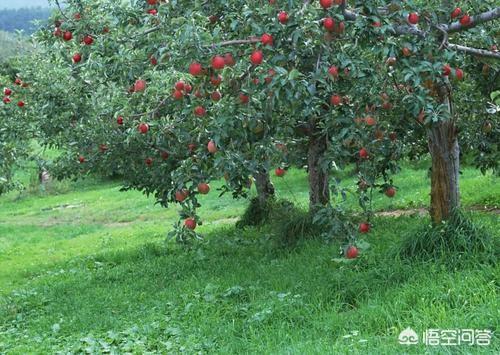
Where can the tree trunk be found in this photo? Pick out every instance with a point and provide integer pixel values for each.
(445, 154)
(319, 190)
(264, 186)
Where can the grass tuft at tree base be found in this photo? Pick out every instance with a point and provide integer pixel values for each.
(288, 223)
(454, 241)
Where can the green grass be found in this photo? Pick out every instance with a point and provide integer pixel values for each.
(87, 269)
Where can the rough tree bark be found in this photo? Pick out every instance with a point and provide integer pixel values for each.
(445, 155)
(264, 186)
(319, 189)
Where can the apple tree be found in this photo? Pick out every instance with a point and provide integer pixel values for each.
(175, 94)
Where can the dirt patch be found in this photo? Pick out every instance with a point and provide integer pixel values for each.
(62, 207)
(397, 213)
(225, 221)
(421, 212)
(485, 209)
(118, 224)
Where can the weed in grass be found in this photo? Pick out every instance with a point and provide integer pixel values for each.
(453, 241)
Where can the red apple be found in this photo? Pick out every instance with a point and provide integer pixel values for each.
(333, 71)
(143, 128)
(203, 188)
(67, 35)
(329, 24)
(363, 153)
(457, 12)
(229, 59)
(370, 121)
(180, 85)
(181, 195)
(213, 19)
(244, 99)
(446, 70)
(216, 80)
(390, 192)
(77, 57)
(153, 12)
(190, 223)
(267, 39)
(413, 18)
(326, 4)
(188, 88)
(57, 32)
(139, 85)
(212, 147)
(20, 103)
(351, 252)
(178, 95)
(153, 61)
(459, 74)
(335, 100)
(256, 57)
(200, 111)
(280, 172)
(406, 52)
(7, 91)
(218, 62)
(364, 227)
(164, 155)
(195, 69)
(393, 136)
(81, 159)
(465, 20)
(119, 120)
(6, 100)
(216, 96)
(149, 161)
(88, 40)
(283, 17)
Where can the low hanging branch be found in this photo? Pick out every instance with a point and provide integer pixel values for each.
(473, 51)
(445, 29)
(475, 20)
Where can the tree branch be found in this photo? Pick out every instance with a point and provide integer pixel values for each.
(474, 51)
(152, 112)
(236, 42)
(60, 9)
(475, 20)
(151, 30)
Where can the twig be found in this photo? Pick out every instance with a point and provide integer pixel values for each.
(60, 9)
(235, 42)
(152, 112)
(444, 42)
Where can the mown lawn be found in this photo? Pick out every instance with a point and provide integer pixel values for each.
(88, 269)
